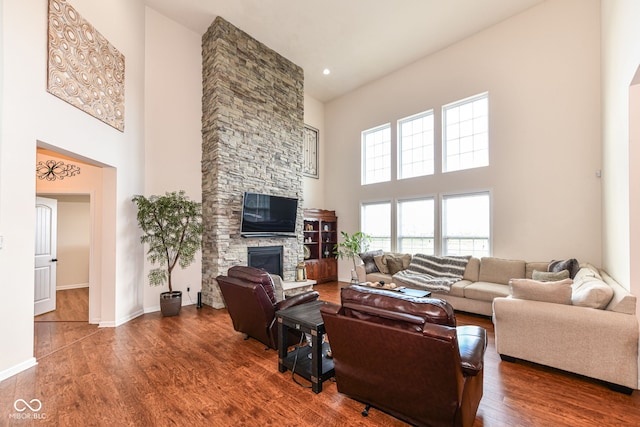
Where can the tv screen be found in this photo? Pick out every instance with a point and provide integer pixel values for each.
(267, 215)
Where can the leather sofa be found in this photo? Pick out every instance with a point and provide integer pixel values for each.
(249, 295)
(405, 356)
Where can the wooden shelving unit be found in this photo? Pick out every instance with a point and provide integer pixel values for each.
(320, 236)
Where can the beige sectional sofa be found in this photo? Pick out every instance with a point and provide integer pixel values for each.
(554, 324)
(482, 282)
(597, 343)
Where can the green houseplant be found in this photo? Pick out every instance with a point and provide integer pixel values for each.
(172, 227)
(350, 247)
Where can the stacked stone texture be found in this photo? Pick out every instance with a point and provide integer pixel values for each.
(252, 133)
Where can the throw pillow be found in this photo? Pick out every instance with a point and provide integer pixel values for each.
(570, 264)
(382, 266)
(592, 293)
(550, 276)
(369, 263)
(554, 292)
(395, 265)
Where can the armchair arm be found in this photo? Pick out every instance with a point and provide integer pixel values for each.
(472, 343)
(297, 300)
(361, 272)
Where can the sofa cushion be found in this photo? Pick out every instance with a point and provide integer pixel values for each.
(472, 270)
(395, 265)
(531, 266)
(496, 270)
(369, 263)
(555, 292)
(550, 276)
(589, 290)
(592, 293)
(383, 260)
(485, 291)
(457, 289)
(569, 264)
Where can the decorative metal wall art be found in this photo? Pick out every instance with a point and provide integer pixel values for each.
(84, 69)
(52, 170)
(310, 152)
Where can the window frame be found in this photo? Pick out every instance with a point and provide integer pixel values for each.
(443, 133)
(398, 221)
(363, 159)
(400, 143)
(442, 228)
(390, 238)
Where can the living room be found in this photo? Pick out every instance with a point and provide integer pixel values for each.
(558, 75)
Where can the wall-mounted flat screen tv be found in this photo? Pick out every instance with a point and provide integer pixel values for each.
(265, 215)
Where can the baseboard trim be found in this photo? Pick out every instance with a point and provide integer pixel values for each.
(76, 286)
(29, 363)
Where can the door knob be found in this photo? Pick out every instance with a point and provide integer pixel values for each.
(54, 260)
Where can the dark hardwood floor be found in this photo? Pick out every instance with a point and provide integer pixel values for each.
(194, 369)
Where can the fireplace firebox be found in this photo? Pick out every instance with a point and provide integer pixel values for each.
(269, 258)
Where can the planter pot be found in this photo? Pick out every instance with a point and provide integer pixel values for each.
(170, 303)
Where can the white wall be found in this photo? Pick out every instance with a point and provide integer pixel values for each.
(173, 139)
(30, 115)
(620, 61)
(621, 142)
(74, 240)
(542, 71)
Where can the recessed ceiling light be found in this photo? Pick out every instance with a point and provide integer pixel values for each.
(326, 71)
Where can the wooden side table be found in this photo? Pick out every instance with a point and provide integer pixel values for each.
(305, 318)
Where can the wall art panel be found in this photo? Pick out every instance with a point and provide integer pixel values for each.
(84, 69)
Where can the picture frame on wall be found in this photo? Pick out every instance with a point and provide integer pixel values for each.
(310, 152)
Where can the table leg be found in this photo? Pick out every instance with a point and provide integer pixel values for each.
(316, 361)
(283, 345)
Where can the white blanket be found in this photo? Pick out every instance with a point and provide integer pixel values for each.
(432, 273)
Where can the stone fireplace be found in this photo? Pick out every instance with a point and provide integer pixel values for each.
(252, 133)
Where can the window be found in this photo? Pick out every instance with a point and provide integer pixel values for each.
(376, 155)
(415, 149)
(466, 225)
(416, 226)
(466, 134)
(375, 220)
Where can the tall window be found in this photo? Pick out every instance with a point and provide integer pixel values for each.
(466, 133)
(415, 149)
(416, 226)
(376, 155)
(375, 220)
(466, 224)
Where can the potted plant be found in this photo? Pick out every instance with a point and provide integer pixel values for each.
(172, 227)
(350, 247)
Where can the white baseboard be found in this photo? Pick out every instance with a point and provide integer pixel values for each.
(29, 363)
(76, 286)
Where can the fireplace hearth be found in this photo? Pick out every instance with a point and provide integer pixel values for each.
(269, 258)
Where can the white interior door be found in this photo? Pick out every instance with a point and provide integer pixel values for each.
(45, 255)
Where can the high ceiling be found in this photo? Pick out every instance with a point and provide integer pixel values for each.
(358, 40)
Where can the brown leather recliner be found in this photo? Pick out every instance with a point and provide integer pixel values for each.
(249, 295)
(405, 356)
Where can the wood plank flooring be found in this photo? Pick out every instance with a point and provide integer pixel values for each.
(194, 369)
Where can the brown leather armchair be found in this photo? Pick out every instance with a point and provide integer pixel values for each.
(405, 356)
(249, 295)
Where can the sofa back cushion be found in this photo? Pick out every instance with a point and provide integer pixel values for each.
(394, 309)
(497, 270)
(555, 292)
(473, 270)
(622, 301)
